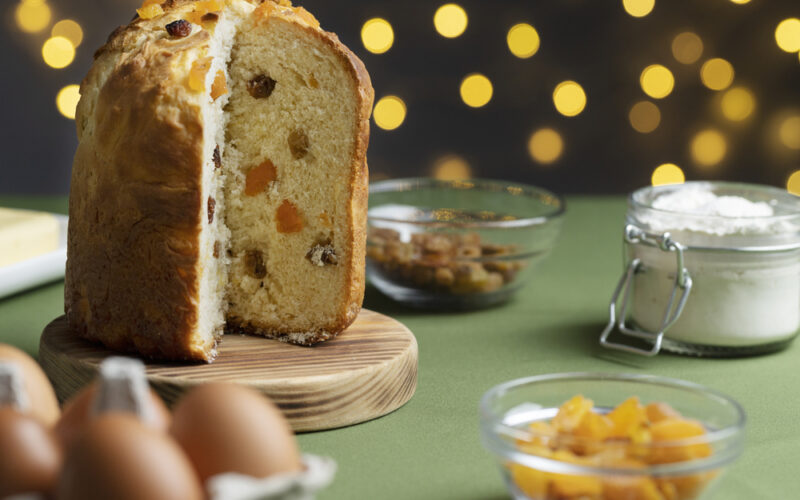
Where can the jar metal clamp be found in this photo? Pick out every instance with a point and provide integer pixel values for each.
(617, 312)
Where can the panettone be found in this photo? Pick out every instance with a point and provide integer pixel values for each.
(220, 181)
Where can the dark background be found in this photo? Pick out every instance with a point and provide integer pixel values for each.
(594, 42)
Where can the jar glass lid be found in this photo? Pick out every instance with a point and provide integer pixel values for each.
(718, 215)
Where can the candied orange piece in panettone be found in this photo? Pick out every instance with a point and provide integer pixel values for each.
(288, 218)
(220, 86)
(627, 418)
(258, 178)
(149, 11)
(657, 412)
(570, 414)
(206, 6)
(197, 74)
(307, 16)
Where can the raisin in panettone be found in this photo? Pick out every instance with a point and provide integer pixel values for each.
(220, 181)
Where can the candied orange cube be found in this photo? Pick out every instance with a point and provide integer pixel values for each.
(685, 487)
(674, 430)
(534, 483)
(306, 16)
(194, 17)
(288, 218)
(575, 486)
(657, 412)
(627, 418)
(197, 74)
(631, 488)
(594, 426)
(541, 436)
(219, 87)
(259, 177)
(150, 11)
(570, 414)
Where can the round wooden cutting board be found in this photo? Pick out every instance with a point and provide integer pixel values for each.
(367, 371)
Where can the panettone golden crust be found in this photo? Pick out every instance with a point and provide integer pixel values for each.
(135, 203)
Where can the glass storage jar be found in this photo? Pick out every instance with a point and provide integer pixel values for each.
(709, 285)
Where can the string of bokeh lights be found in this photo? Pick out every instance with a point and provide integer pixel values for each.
(708, 147)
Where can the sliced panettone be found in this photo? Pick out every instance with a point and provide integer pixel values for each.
(220, 178)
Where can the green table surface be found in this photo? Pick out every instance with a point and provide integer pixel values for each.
(430, 447)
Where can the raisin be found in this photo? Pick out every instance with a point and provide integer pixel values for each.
(261, 86)
(216, 249)
(216, 157)
(254, 262)
(209, 17)
(212, 203)
(322, 254)
(287, 218)
(298, 143)
(179, 29)
(258, 178)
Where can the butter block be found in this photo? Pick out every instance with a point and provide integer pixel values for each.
(25, 234)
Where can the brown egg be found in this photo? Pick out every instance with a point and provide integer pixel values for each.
(30, 459)
(229, 428)
(117, 456)
(41, 397)
(77, 414)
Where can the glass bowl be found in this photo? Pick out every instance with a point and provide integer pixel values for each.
(457, 244)
(537, 464)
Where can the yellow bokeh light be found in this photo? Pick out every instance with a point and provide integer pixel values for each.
(708, 147)
(687, 47)
(667, 173)
(523, 40)
(67, 100)
(657, 81)
(450, 20)
(740, 2)
(58, 52)
(476, 90)
(644, 117)
(638, 8)
(389, 112)
(32, 16)
(70, 30)
(545, 145)
(737, 104)
(377, 35)
(451, 168)
(717, 74)
(789, 132)
(793, 183)
(787, 34)
(569, 98)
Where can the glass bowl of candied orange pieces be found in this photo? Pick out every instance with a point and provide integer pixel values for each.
(596, 436)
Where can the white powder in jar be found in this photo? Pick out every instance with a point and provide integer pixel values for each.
(738, 299)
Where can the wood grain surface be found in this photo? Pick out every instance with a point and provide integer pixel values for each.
(369, 370)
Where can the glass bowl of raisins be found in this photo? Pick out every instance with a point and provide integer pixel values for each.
(573, 436)
(467, 244)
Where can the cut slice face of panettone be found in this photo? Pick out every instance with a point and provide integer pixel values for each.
(220, 181)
